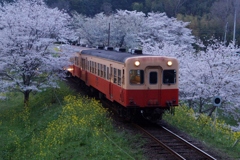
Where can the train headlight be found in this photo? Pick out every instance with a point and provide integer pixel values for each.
(169, 63)
(70, 69)
(137, 63)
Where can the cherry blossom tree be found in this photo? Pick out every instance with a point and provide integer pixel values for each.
(117, 30)
(126, 28)
(214, 72)
(159, 28)
(27, 29)
(206, 74)
(133, 29)
(94, 31)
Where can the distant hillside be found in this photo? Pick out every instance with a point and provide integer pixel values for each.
(171, 7)
(209, 18)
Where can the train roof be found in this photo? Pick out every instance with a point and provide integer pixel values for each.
(112, 55)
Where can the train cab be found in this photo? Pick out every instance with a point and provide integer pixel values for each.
(152, 81)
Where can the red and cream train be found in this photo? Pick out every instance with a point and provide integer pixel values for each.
(135, 82)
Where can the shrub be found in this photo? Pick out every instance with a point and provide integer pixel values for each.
(213, 131)
(77, 129)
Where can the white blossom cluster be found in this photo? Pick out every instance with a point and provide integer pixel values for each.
(27, 29)
(132, 29)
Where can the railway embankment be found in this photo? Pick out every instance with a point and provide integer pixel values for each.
(61, 124)
(214, 132)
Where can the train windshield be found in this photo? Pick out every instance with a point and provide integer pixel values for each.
(153, 77)
(136, 76)
(169, 76)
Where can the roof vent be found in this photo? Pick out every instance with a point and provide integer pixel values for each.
(109, 48)
(135, 51)
(120, 49)
(83, 45)
(100, 47)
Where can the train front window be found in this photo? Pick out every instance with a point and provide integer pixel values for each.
(136, 76)
(169, 76)
(153, 77)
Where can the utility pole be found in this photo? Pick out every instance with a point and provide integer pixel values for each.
(234, 26)
(225, 34)
(235, 21)
(109, 34)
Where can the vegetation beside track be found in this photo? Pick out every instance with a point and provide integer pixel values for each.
(60, 125)
(212, 131)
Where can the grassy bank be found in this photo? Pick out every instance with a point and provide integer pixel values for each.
(213, 132)
(60, 125)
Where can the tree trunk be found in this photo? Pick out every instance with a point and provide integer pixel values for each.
(200, 105)
(213, 109)
(26, 98)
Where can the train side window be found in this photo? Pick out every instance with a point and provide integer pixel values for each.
(169, 76)
(115, 76)
(153, 78)
(80, 64)
(83, 64)
(76, 60)
(111, 74)
(136, 76)
(104, 71)
(100, 70)
(123, 76)
(90, 66)
(99, 67)
(108, 77)
(119, 77)
(95, 68)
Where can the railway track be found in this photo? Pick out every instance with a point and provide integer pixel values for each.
(170, 146)
(167, 146)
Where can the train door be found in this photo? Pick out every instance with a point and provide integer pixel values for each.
(110, 78)
(153, 79)
(86, 71)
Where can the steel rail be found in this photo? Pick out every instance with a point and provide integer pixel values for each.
(206, 155)
(178, 156)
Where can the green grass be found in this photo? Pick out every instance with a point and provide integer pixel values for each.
(213, 132)
(58, 125)
(229, 119)
(8, 104)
